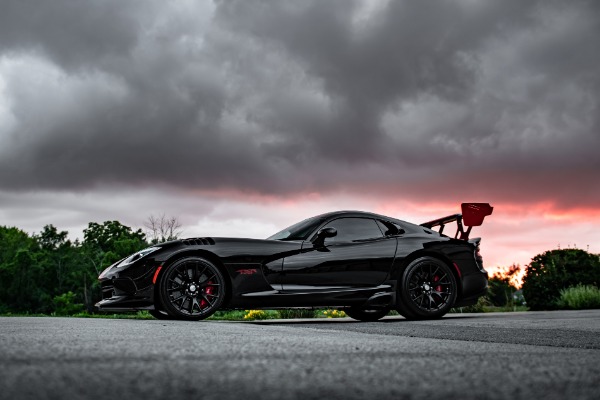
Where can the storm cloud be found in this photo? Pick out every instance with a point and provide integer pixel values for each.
(462, 99)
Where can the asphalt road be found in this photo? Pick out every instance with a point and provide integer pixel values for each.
(550, 355)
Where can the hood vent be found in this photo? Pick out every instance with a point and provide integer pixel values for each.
(206, 241)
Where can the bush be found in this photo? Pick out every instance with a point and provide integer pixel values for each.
(500, 292)
(334, 313)
(296, 313)
(554, 270)
(479, 307)
(580, 297)
(260, 314)
(64, 304)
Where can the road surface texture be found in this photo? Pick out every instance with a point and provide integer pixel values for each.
(533, 355)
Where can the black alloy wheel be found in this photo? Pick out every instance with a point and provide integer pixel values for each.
(192, 288)
(366, 314)
(428, 289)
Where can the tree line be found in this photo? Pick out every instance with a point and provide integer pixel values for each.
(40, 272)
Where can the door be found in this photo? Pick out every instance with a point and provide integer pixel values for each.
(358, 256)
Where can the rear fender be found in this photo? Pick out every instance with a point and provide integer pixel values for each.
(399, 269)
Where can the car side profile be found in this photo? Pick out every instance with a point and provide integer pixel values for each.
(364, 263)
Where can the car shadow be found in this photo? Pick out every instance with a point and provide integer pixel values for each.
(323, 321)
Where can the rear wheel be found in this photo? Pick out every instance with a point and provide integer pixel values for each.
(365, 314)
(428, 289)
(192, 288)
(405, 312)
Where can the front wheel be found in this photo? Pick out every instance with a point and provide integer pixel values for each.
(192, 288)
(428, 289)
(365, 314)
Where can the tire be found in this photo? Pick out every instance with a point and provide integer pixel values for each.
(162, 315)
(405, 312)
(191, 288)
(366, 315)
(428, 289)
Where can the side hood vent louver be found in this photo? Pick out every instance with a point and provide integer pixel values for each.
(206, 241)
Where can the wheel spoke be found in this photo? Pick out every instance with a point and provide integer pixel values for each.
(192, 300)
(208, 279)
(175, 281)
(207, 299)
(205, 285)
(422, 300)
(184, 298)
(176, 299)
(182, 274)
(195, 303)
(201, 272)
(194, 271)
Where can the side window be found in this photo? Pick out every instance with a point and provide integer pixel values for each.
(350, 229)
(389, 228)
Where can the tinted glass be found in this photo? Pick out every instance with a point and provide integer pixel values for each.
(389, 229)
(350, 229)
(299, 231)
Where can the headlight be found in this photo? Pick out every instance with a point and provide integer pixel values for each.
(103, 273)
(134, 257)
(130, 260)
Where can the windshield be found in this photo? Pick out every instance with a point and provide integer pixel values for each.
(299, 231)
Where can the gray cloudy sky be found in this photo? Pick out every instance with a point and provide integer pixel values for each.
(115, 110)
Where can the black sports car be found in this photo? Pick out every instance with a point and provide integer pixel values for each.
(363, 263)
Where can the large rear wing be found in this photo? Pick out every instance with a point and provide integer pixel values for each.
(472, 215)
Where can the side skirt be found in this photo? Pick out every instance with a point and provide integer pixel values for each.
(379, 296)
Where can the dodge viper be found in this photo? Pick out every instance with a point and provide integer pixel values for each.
(363, 263)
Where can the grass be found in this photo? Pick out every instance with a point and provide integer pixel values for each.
(85, 314)
(249, 315)
(579, 297)
(228, 315)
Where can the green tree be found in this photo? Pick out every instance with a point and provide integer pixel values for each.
(57, 259)
(51, 239)
(103, 245)
(47, 272)
(19, 271)
(501, 287)
(554, 270)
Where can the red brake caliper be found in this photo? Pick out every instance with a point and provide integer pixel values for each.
(438, 288)
(209, 290)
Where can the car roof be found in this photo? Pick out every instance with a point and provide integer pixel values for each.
(364, 214)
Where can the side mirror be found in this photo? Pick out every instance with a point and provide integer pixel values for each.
(319, 240)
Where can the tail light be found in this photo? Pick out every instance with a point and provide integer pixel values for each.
(479, 258)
